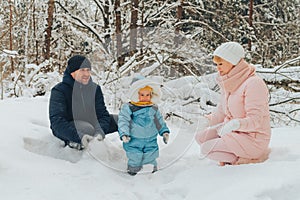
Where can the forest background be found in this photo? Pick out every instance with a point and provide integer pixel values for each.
(168, 38)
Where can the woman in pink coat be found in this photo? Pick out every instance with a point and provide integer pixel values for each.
(239, 130)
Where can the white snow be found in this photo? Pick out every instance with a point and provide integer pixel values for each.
(34, 165)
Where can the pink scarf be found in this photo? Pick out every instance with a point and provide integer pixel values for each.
(238, 74)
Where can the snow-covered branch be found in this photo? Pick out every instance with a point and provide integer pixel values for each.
(86, 25)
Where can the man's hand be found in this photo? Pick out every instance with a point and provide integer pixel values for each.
(86, 139)
(99, 136)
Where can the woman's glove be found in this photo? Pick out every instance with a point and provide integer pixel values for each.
(126, 138)
(166, 137)
(230, 126)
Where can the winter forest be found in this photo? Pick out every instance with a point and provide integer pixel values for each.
(172, 39)
(171, 42)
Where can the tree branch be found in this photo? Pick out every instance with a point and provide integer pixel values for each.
(285, 101)
(170, 114)
(286, 114)
(86, 25)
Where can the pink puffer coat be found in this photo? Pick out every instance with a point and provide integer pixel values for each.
(249, 104)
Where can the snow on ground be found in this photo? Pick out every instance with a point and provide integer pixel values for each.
(34, 165)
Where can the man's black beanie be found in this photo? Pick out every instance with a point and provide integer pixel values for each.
(76, 62)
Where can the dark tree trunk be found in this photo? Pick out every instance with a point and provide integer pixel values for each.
(120, 58)
(10, 33)
(179, 17)
(133, 26)
(34, 35)
(49, 29)
(250, 22)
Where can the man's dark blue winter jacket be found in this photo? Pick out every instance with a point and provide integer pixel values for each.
(71, 100)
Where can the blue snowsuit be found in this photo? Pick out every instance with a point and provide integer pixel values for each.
(142, 124)
(71, 101)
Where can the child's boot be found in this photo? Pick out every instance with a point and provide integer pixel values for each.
(133, 170)
(154, 169)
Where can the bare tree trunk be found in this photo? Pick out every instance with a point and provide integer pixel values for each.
(10, 34)
(49, 29)
(106, 23)
(133, 25)
(34, 35)
(250, 22)
(120, 59)
(142, 29)
(106, 14)
(1, 80)
(179, 17)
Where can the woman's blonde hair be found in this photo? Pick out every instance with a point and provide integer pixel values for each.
(217, 59)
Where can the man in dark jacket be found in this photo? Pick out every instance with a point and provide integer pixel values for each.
(77, 110)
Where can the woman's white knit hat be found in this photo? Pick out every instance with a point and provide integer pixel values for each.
(232, 52)
(141, 82)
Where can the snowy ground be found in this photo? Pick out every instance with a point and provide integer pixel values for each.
(34, 166)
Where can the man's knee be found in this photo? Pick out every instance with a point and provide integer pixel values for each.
(84, 128)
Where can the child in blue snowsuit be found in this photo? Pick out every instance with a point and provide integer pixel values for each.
(139, 124)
